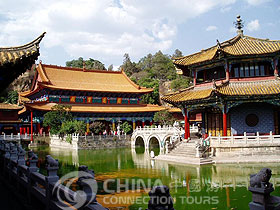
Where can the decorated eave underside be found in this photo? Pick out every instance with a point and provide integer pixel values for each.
(16, 60)
(238, 47)
(255, 90)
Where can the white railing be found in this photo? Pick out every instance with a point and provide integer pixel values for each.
(159, 128)
(194, 129)
(245, 140)
(10, 137)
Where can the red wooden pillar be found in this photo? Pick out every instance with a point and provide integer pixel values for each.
(143, 124)
(187, 125)
(276, 67)
(38, 128)
(31, 132)
(151, 123)
(24, 130)
(28, 130)
(224, 122)
(227, 71)
(194, 77)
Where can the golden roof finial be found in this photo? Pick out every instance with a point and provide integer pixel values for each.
(239, 25)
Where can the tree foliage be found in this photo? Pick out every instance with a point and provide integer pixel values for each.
(97, 127)
(126, 127)
(180, 82)
(75, 126)
(164, 118)
(55, 118)
(128, 66)
(151, 71)
(89, 64)
(177, 54)
(12, 97)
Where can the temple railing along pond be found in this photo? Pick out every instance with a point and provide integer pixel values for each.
(45, 192)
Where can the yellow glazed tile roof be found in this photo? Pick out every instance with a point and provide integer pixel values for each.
(237, 46)
(253, 88)
(268, 87)
(14, 54)
(68, 78)
(4, 106)
(189, 94)
(90, 108)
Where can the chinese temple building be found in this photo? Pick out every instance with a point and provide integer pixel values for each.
(94, 95)
(9, 120)
(236, 86)
(16, 60)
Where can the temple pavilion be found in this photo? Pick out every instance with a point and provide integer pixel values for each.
(236, 86)
(94, 95)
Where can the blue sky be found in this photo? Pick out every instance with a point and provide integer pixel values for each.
(107, 29)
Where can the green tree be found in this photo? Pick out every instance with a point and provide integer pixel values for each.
(55, 118)
(128, 66)
(177, 54)
(126, 127)
(164, 118)
(89, 64)
(110, 68)
(153, 97)
(180, 82)
(97, 127)
(70, 127)
(12, 97)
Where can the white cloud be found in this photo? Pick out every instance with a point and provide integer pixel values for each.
(253, 25)
(211, 28)
(225, 9)
(257, 2)
(100, 29)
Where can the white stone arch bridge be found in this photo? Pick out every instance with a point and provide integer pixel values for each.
(162, 134)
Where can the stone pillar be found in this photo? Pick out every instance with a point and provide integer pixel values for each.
(225, 121)
(187, 124)
(31, 130)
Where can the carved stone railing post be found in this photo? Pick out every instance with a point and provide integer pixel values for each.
(87, 184)
(32, 167)
(52, 168)
(160, 199)
(21, 156)
(261, 189)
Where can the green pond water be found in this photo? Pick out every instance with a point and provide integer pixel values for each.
(125, 177)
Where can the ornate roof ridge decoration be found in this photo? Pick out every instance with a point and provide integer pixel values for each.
(239, 45)
(35, 42)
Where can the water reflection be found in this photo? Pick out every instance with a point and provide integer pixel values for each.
(192, 187)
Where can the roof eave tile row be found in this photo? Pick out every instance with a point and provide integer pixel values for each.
(235, 89)
(14, 54)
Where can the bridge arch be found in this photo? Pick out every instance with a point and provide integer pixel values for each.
(161, 134)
